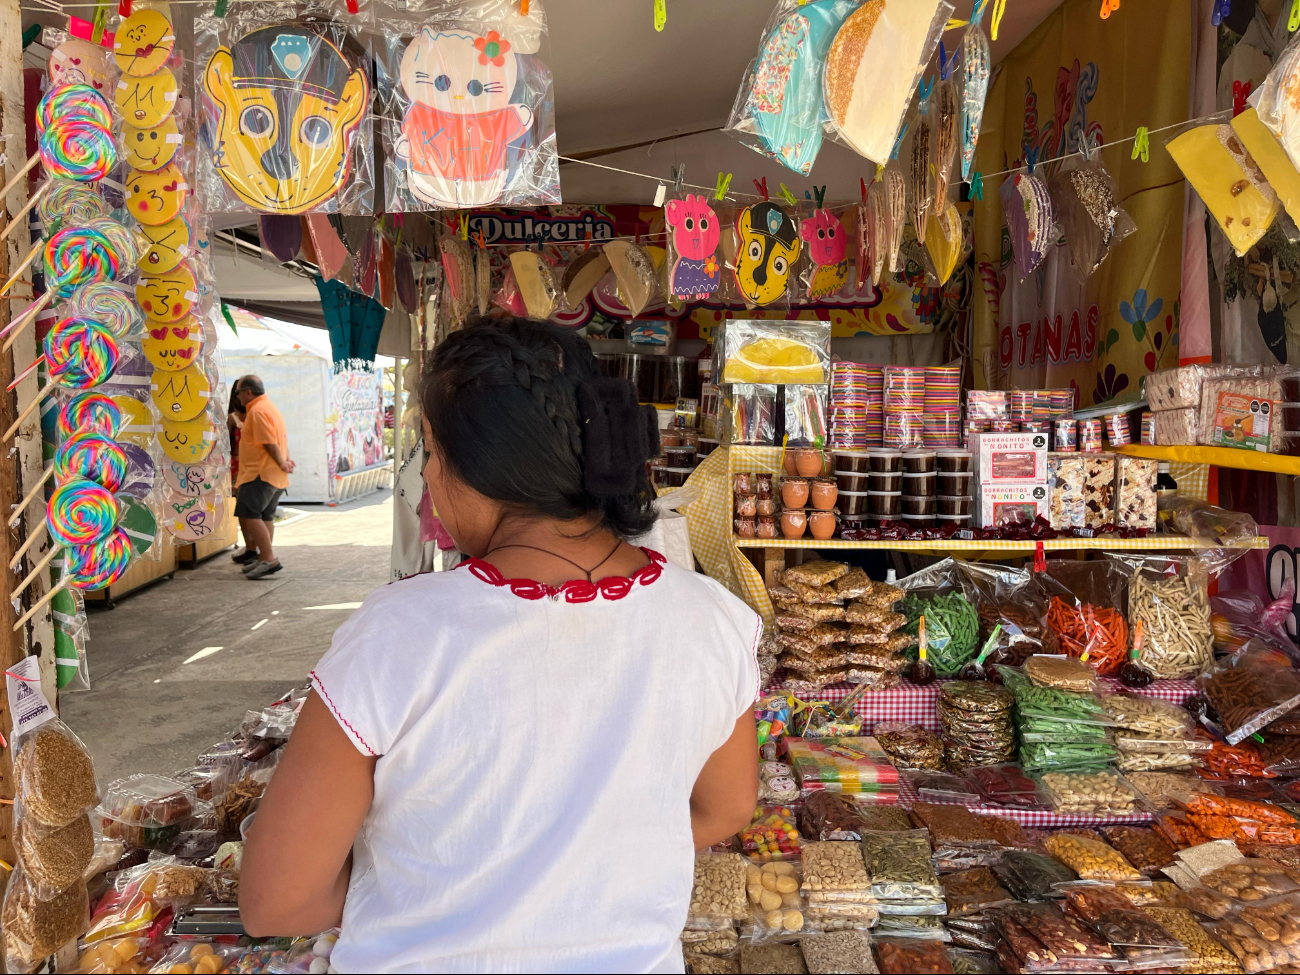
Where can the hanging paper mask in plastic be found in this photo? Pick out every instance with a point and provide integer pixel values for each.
(458, 272)
(78, 62)
(1086, 204)
(1271, 159)
(1027, 208)
(944, 241)
(779, 109)
(975, 62)
(1242, 212)
(872, 67)
(767, 248)
(874, 227)
(826, 243)
(635, 272)
(468, 107)
(288, 108)
(693, 234)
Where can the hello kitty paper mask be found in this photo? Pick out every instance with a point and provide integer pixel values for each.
(288, 106)
(693, 235)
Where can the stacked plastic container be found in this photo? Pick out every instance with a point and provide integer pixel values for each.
(942, 418)
(850, 405)
(904, 403)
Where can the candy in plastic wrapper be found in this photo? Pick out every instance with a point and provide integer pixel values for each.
(1086, 202)
(944, 239)
(946, 118)
(920, 177)
(536, 284)
(975, 62)
(1027, 208)
(1177, 427)
(635, 273)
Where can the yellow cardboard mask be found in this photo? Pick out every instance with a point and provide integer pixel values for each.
(149, 150)
(167, 297)
(180, 395)
(145, 102)
(173, 347)
(767, 250)
(288, 105)
(167, 246)
(156, 198)
(188, 441)
(143, 42)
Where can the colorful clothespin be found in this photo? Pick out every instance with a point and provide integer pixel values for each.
(788, 196)
(762, 188)
(1293, 21)
(820, 193)
(863, 184)
(1031, 159)
(924, 89)
(999, 8)
(724, 181)
(1221, 10)
(354, 7)
(523, 8)
(1240, 92)
(124, 9)
(1141, 145)
(807, 195)
(898, 143)
(679, 177)
(1108, 7)
(946, 64)
(99, 20)
(462, 221)
(954, 24)
(661, 14)
(977, 12)
(880, 167)
(977, 186)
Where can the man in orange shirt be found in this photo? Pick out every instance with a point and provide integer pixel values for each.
(264, 469)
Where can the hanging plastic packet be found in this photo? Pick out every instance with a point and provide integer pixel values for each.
(778, 111)
(1268, 154)
(866, 255)
(458, 273)
(695, 266)
(635, 272)
(542, 296)
(947, 115)
(872, 67)
(767, 248)
(1241, 211)
(483, 279)
(1027, 208)
(944, 241)
(920, 177)
(826, 242)
(297, 69)
(896, 211)
(1086, 202)
(467, 105)
(975, 62)
(582, 274)
(1275, 103)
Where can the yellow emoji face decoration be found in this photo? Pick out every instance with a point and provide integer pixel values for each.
(173, 347)
(180, 395)
(143, 43)
(137, 421)
(766, 252)
(167, 297)
(156, 198)
(167, 246)
(188, 441)
(145, 102)
(288, 106)
(149, 150)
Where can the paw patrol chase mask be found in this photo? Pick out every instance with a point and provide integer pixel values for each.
(288, 105)
(767, 248)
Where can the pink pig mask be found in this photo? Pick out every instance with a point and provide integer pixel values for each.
(696, 230)
(825, 237)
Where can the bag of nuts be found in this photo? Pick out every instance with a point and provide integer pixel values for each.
(777, 908)
(719, 890)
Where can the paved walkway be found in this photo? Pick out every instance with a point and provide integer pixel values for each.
(175, 667)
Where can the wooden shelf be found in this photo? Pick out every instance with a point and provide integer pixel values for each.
(999, 548)
(1249, 460)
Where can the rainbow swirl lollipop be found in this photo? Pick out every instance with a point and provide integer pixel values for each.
(111, 304)
(98, 565)
(92, 457)
(78, 148)
(88, 413)
(81, 512)
(80, 353)
(64, 102)
(75, 256)
(123, 240)
(71, 202)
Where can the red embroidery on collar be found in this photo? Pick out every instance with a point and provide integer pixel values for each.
(575, 590)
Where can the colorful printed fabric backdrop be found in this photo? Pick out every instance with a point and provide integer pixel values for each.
(355, 422)
(904, 305)
(1080, 77)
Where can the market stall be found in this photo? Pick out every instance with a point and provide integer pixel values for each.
(936, 365)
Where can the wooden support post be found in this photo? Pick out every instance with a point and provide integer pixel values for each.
(773, 561)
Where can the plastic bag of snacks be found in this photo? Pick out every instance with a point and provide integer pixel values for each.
(900, 866)
(1008, 598)
(1032, 876)
(36, 928)
(839, 951)
(1027, 209)
(1238, 615)
(830, 816)
(720, 886)
(774, 958)
(776, 352)
(909, 745)
(909, 956)
(1146, 849)
(772, 835)
(1084, 611)
(1099, 792)
(1039, 937)
(1263, 936)
(1168, 595)
(199, 959)
(1250, 689)
(777, 908)
(1090, 859)
(1088, 207)
(1129, 930)
(951, 624)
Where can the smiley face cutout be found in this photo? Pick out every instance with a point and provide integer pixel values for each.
(167, 297)
(156, 198)
(149, 150)
(193, 519)
(82, 63)
(143, 43)
(173, 347)
(180, 395)
(166, 246)
(188, 441)
(191, 480)
(145, 102)
(137, 422)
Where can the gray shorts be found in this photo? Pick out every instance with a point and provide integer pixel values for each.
(257, 499)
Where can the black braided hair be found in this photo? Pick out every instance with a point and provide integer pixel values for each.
(502, 400)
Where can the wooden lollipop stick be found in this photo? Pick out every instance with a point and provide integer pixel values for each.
(37, 569)
(36, 534)
(22, 505)
(39, 603)
(27, 262)
(27, 412)
(27, 168)
(16, 327)
(17, 380)
(18, 218)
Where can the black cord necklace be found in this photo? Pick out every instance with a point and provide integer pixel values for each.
(585, 571)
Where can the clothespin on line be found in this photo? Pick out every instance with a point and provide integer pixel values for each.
(762, 188)
(462, 221)
(999, 8)
(863, 184)
(1108, 7)
(977, 185)
(788, 196)
(820, 193)
(660, 13)
(1293, 21)
(724, 183)
(1141, 145)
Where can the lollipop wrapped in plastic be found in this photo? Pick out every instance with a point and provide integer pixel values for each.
(975, 61)
(88, 412)
(81, 512)
(99, 564)
(80, 352)
(92, 456)
(1088, 207)
(69, 201)
(112, 304)
(1027, 208)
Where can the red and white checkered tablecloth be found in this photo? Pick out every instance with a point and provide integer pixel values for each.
(918, 703)
(1032, 818)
